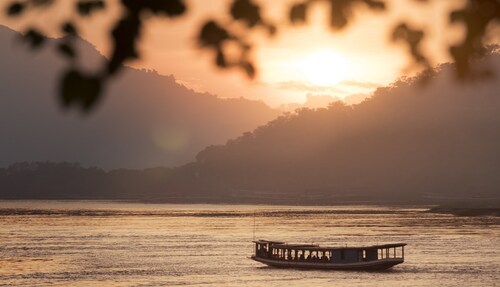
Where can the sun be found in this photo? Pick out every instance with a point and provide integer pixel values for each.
(324, 68)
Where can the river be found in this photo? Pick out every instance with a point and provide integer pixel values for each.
(97, 243)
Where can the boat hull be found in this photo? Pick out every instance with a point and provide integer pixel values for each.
(375, 265)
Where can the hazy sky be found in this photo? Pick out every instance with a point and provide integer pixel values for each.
(362, 54)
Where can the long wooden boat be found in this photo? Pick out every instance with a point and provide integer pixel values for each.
(312, 256)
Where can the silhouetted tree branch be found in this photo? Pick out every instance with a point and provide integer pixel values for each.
(83, 90)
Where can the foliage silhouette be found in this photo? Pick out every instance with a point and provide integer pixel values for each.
(476, 16)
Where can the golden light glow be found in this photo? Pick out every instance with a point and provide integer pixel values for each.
(170, 138)
(325, 68)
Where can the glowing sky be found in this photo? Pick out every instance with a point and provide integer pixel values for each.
(363, 53)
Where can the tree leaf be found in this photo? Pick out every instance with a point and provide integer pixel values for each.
(69, 29)
(247, 11)
(171, 8)
(212, 35)
(125, 36)
(79, 89)
(15, 9)
(220, 59)
(338, 15)
(298, 13)
(87, 7)
(34, 38)
(66, 50)
(375, 5)
(249, 69)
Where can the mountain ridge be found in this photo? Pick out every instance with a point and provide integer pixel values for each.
(145, 120)
(407, 144)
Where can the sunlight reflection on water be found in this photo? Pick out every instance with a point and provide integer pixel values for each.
(87, 243)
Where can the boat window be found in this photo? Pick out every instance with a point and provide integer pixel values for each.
(342, 254)
(301, 257)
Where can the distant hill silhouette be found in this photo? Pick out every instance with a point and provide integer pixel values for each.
(147, 120)
(407, 143)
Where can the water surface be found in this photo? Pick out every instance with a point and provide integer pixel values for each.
(88, 243)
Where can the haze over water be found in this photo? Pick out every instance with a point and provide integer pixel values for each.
(129, 244)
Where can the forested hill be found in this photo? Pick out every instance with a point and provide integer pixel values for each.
(408, 143)
(145, 120)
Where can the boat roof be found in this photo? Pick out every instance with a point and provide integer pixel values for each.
(261, 241)
(279, 244)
